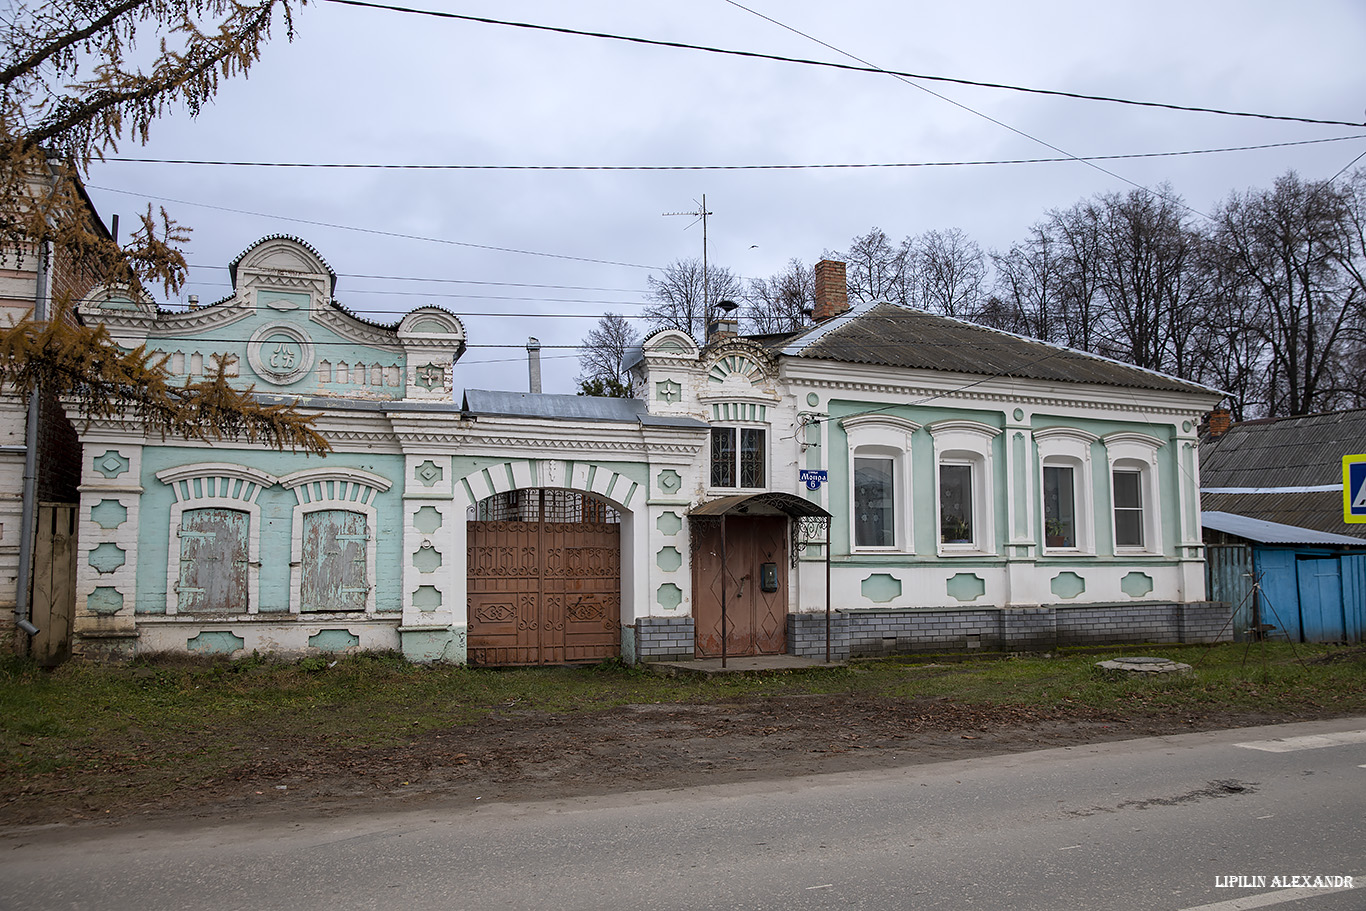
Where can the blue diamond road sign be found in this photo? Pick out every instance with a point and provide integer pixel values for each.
(1354, 488)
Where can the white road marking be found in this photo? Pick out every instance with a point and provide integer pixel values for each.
(1265, 899)
(1307, 742)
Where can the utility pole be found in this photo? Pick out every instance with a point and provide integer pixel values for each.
(702, 213)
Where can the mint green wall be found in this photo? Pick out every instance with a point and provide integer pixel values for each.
(922, 478)
(921, 481)
(327, 346)
(1168, 486)
(156, 538)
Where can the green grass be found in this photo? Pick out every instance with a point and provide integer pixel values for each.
(168, 722)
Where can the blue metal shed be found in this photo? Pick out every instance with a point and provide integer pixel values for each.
(1312, 583)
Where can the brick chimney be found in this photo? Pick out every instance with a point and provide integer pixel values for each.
(832, 294)
(1220, 419)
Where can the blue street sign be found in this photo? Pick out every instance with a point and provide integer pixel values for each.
(813, 478)
(1354, 488)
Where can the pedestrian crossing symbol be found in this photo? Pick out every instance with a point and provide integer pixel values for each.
(1354, 488)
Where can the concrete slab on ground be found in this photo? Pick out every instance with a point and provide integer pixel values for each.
(762, 664)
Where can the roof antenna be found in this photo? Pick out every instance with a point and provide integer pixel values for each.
(702, 213)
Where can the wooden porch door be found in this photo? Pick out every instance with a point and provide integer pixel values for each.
(756, 620)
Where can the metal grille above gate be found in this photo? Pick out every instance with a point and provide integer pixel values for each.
(544, 578)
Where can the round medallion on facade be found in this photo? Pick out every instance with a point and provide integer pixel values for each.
(280, 353)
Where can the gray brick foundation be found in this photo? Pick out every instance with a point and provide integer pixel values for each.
(870, 633)
(663, 638)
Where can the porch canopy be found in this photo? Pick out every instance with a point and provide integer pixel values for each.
(810, 519)
(761, 504)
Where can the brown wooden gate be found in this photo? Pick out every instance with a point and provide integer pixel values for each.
(544, 579)
(53, 601)
(756, 620)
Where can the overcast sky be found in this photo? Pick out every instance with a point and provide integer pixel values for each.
(367, 86)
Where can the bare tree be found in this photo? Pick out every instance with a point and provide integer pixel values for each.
(601, 356)
(678, 298)
(949, 272)
(1294, 243)
(1030, 281)
(1146, 253)
(73, 83)
(779, 303)
(1083, 318)
(877, 270)
(1233, 352)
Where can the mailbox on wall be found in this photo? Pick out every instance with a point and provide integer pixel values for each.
(768, 577)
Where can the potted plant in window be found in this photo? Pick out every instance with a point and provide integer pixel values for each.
(1055, 534)
(955, 530)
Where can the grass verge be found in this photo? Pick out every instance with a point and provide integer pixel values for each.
(168, 724)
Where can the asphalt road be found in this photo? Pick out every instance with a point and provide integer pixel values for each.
(1167, 823)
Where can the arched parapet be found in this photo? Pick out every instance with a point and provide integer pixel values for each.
(433, 340)
(282, 261)
(621, 491)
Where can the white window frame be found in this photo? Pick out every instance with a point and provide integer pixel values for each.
(1068, 447)
(233, 487)
(963, 442)
(767, 460)
(321, 489)
(1137, 452)
(880, 436)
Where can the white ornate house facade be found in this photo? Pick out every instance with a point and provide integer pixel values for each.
(979, 490)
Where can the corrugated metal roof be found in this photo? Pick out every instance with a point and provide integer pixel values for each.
(1264, 532)
(1301, 451)
(548, 406)
(1318, 511)
(895, 336)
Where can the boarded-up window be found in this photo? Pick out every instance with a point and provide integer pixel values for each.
(213, 561)
(334, 556)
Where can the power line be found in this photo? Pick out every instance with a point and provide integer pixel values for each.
(449, 296)
(449, 281)
(867, 68)
(906, 78)
(375, 231)
(719, 167)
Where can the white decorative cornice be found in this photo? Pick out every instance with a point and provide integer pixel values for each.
(754, 396)
(213, 316)
(976, 428)
(1132, 438)
(218, 470)
(330, 473)
(353, 330)
(1064, 433)
(855, 421)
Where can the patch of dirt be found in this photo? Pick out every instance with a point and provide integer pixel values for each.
(529, 755)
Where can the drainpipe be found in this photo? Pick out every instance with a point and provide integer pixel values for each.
(30, 504)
